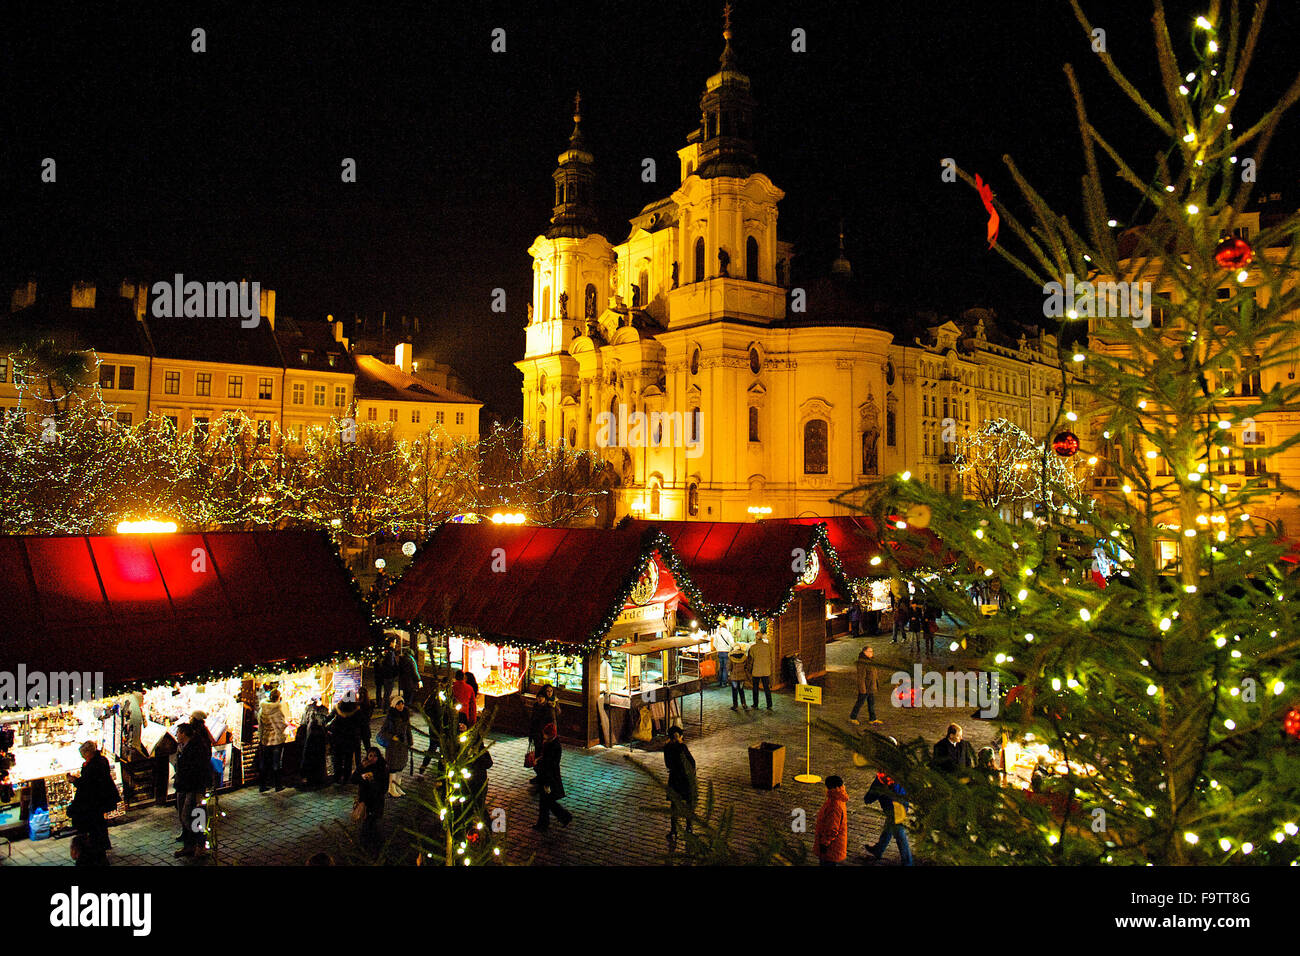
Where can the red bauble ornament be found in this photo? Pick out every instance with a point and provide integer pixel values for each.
(1291, 722)
(1065, 444)
(1233, 253)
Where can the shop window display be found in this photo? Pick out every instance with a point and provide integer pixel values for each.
(499, 669)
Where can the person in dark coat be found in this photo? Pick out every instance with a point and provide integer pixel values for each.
(396, 737)
(344, 728)
(367, 707)
(548, 763)
(386, 671)
(952, 753)
(408, 679)
(371, 779)
(312, 741)
(435, 712)
(545, 711)
(193, 779)
(681, 780)
(96, 795)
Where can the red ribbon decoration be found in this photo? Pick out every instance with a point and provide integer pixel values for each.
(986, 194)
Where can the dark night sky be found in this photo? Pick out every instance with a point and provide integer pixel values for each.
(227, 163)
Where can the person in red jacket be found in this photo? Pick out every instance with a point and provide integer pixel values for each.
(466, 698)
(833, 824)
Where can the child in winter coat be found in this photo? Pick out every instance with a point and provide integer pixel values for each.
(833, 824)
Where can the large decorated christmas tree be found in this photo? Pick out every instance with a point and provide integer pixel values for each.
(1149, 629)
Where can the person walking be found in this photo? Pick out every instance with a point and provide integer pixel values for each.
(855, 620)
(371, 779)
(193, 779)
(739, 674)
(311, 740)
(545, 711)
(408, 679)
(435, 713)
(386, 671)
(952, 753)
(868, 681)
(931, 625)
(915, 622)
(682, 782)
(96, 794)
(552, 783)
(832, 830)
(760, 668)
(465, 697)
(345, 739)
(893, 804)
(366, 709)
(271, 721)
(395, 736)
(723, 643)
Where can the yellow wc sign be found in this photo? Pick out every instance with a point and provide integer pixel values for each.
(807, 693)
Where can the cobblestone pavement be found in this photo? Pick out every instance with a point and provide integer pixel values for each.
(609, 799)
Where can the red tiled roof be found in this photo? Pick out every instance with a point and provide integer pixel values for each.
(745, 565)
(135, 608)
(548, 584)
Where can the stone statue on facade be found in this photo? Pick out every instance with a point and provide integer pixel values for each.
(870, 425)
(564, 305)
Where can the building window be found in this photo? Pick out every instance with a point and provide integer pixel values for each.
(415, 416)
(263, 431)
(392, 414)
(439, 418)
(693, 499)
(200, 430)
(1250, 382)
(696, 422)
(107, 376)
(699, 259)
(460, 420)
(203, 384)
(1253, 467)
(751, 259)
(126, 378)
(641, 294)
(304, 357)
(891, 422)
(265, 387)
(573, 434)
(753, 423)
(814, 447)
(234, 386)
(541, 432)
(372, 413)
(695, 362)
(1226, 460)
(4, 370)
(755, 361)
(318, 395)
(299, 393)
(656, 499)
(171, 424)
(546, 304)
(171, 383)
(124, 418)
(340, 396)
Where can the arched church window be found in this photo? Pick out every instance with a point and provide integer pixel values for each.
(751, 259)
(541, 431)
(891, 428)
(656, 499)
(753, 423)
(693, 499)
(645, 289)
(699, 259)
(546, 303)
(695, 361)
(815, 447)
(573, 438)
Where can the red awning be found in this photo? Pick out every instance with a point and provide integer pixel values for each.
(527, 585)
(857, 540)
(149, 609)
(747, 566)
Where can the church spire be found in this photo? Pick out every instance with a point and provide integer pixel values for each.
(726, 117)
(574, 214)
(841, 267)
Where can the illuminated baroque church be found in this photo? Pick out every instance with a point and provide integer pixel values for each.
(753, 397)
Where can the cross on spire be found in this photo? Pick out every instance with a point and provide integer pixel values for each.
(726, 20)
(577, 106)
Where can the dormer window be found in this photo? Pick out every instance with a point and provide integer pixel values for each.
(304, 356)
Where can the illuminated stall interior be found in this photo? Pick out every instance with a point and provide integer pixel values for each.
(162, 625)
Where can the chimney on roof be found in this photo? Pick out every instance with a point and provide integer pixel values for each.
(337, 327)
(24, 296)
(402, 357)
(83, 295)
(138, 293)
(267, 306)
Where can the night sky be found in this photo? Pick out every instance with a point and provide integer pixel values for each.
(227, 163)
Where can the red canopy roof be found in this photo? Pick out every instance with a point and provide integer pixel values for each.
(149, 609)
(528, 585)
(747, 566)
(857, 540)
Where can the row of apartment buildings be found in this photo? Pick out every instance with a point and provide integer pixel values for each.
(192, 372)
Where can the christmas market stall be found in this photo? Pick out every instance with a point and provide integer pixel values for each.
(116, 639)
(855, 546)
(763, 575)
(593, 613)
